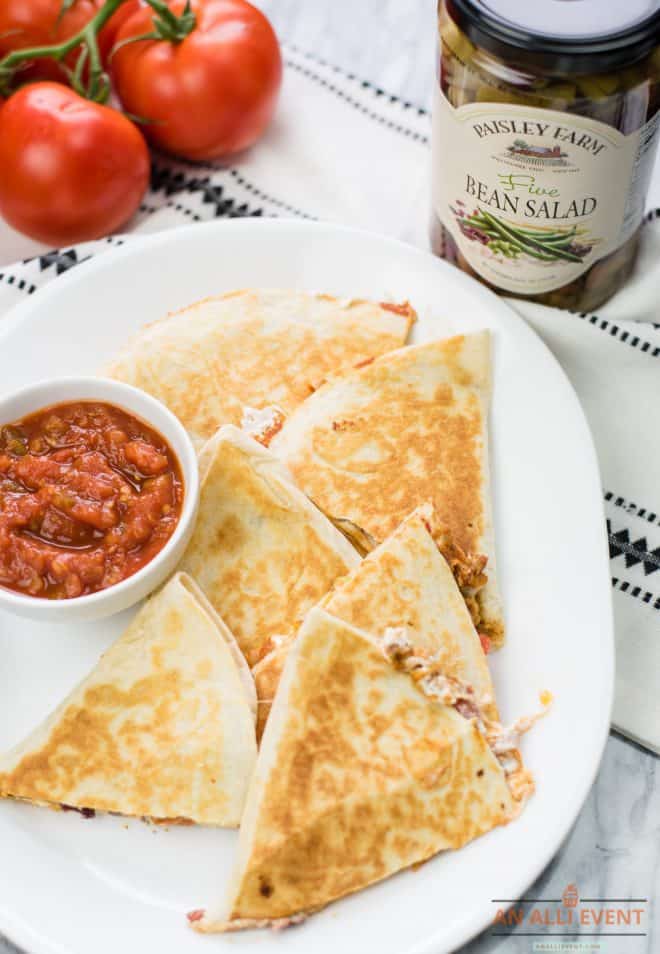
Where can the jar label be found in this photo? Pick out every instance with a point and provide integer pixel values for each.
(533, 197)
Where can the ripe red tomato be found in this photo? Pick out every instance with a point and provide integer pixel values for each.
(25, 23)
(209, 95)
(70, 169)
(108, 35)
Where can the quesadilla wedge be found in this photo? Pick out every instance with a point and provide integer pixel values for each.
(163, 726)
(363, 771)
(261, 551)
(404, 584)
(411, 426)
(223, 358)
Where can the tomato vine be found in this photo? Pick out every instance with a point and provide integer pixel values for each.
(88, 76)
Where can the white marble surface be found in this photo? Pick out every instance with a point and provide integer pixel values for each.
(614, 848)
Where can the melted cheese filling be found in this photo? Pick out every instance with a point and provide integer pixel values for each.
(449, 691)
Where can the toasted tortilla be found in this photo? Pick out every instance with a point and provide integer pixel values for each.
(405, 583)
(375, 442)
(220, 358)
(359, 775)
(261, 551)
(163, 726)
(267, 674)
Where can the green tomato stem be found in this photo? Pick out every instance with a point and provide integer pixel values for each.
(98, 87)
(167, 26)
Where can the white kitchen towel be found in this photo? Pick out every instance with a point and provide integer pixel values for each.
(343, 150)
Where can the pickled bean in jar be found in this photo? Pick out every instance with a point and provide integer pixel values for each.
(545, 132)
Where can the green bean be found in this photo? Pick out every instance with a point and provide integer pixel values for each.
(529, 245)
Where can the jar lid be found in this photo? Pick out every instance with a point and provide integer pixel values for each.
(567, 36)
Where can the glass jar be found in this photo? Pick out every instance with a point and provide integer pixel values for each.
(544, 139)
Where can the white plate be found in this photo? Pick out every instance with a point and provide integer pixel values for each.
(73, 886)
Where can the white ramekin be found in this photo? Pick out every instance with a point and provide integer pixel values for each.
(129, 591)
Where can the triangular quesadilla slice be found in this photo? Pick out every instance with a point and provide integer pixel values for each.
(163, 726)
(405, 585)
(362, 771)
(221, 359)
(261, 551)
(374, 442)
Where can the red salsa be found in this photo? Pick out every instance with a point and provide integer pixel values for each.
(88, 495)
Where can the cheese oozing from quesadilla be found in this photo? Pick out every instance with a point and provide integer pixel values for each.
(428, 671)
(163, 726)
(405, 583)
(219, 358)
(374, 442)
(360, 774)
(261, 551)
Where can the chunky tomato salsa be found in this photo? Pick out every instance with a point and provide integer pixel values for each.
(88, 495)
